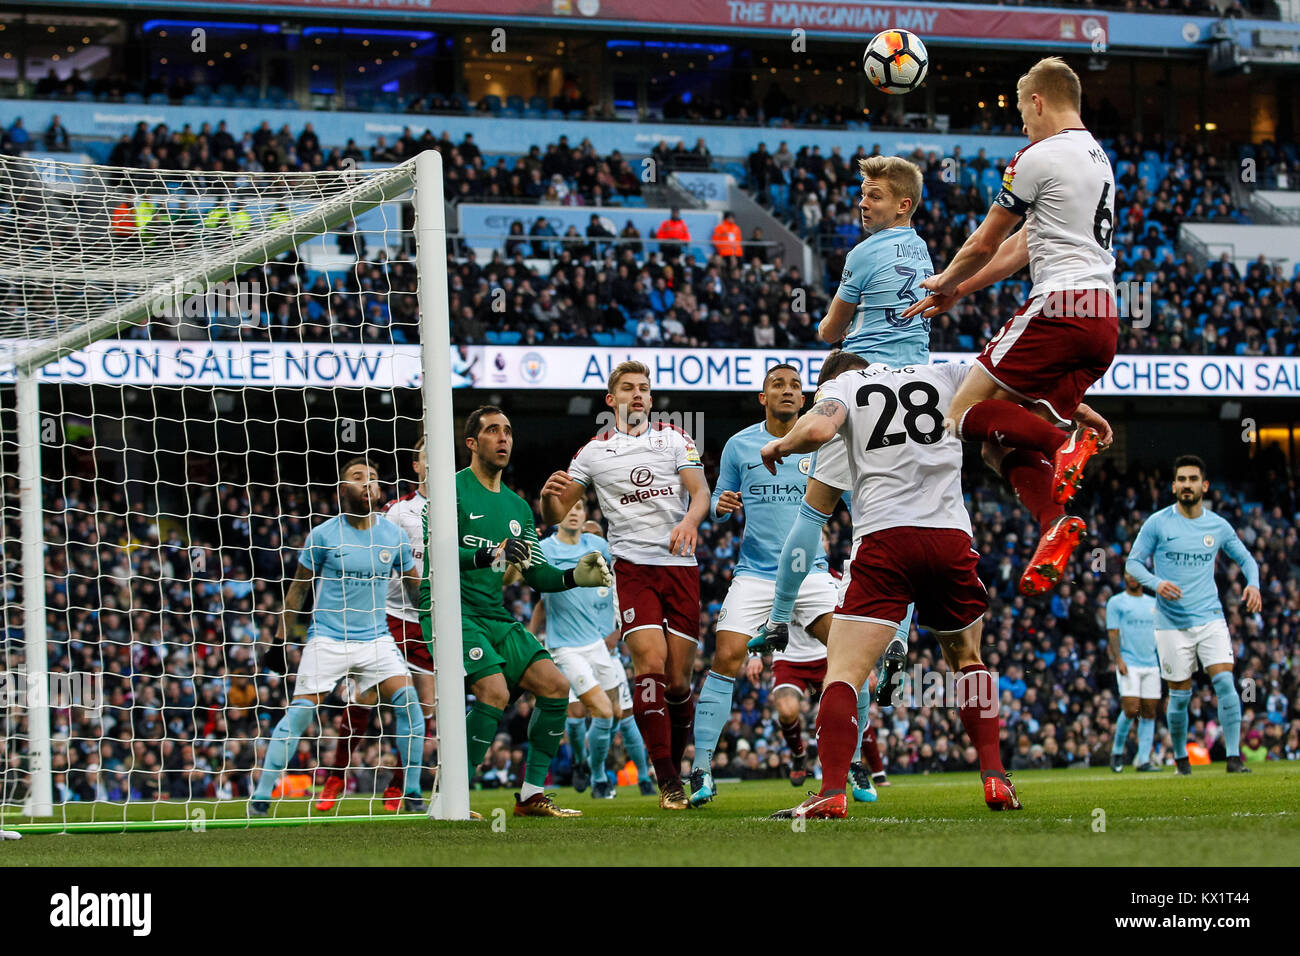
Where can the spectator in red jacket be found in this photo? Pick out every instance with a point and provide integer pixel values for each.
(672, 228)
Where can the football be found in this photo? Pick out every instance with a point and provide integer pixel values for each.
(895, 61)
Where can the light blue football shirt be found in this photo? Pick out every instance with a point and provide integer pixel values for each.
(882, 277)
(771, 501)
(1134, 616)
(353, 567)
(578, 616)
(1184, 550)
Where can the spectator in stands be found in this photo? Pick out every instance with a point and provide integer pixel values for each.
(16, 137)
(673, 228)
(727, 236)
(647, 329)
(56, 136)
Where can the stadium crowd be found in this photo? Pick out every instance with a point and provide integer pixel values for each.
(612, 284)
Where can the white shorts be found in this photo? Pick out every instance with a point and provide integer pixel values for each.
(1143, 682)
(624, 690)
(326, 661)
(749, 602)
(1179, 648)
(832, 465)
(586, 667)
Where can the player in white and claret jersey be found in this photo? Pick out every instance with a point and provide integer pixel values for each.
(911, 544)
(1029, 382)
(404, 624)
(644, 472)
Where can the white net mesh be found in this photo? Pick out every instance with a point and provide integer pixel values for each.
(264, 331)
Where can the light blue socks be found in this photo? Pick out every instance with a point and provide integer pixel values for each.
(409, 718)
(711, 714)
(284, 740)
(602, 729)
(1176, 717)
(1146, 734)
(575, 728)
(634, 745)
(1122, 727)
(1225, 689)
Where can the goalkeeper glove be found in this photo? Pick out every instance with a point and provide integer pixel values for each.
(591, 572)
(511, 551)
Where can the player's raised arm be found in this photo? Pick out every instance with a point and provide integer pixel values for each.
(560, 493)
(809, 433)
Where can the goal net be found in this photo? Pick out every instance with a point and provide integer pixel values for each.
(188, 360)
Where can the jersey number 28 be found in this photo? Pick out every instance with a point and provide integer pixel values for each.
(922, 420)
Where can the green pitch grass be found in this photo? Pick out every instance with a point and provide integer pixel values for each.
(1208, 819)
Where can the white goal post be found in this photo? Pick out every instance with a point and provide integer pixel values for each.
(88, 253)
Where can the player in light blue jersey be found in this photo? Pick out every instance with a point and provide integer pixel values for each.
(1183, 540)
(770, 502)
(1131, 629)
(350, 558)
(882, 277)
(580, 628)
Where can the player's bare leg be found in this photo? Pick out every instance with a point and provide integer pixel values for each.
(977, 706)
(604, 712)
(662, 668)
(550, 691)
(729, 655)
(852, 651)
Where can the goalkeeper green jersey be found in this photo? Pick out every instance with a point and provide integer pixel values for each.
(483, 520)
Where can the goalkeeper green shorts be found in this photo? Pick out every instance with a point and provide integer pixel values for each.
(493, 646)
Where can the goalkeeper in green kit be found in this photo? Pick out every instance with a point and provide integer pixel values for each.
(496, 531)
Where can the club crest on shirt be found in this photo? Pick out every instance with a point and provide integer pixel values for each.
(476, 653)
(385, 556)
(602, 592)
(805, 465)
(722, 615)
(628, 615)
(657, 441)
(1208, 541)
(515, 527)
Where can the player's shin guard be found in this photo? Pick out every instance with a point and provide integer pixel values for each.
(409, 730)
(1010, 426)
(651, 712)
(575, 728)
(1225, 689)
(1146, 735)
(634, 745)
(545, 731)
(602, 729)
(870, 752)
(977, 706)
(711, 715)
(1176, 717)
(797, 557)
(284, 739)
(681, 717)
(837, 735)
(1030, 476)
(356, 721)
(481, 725)
(1122, 727)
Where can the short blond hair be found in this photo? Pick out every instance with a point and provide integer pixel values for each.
(629, 367)
(1053, 80)
(902, 175)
